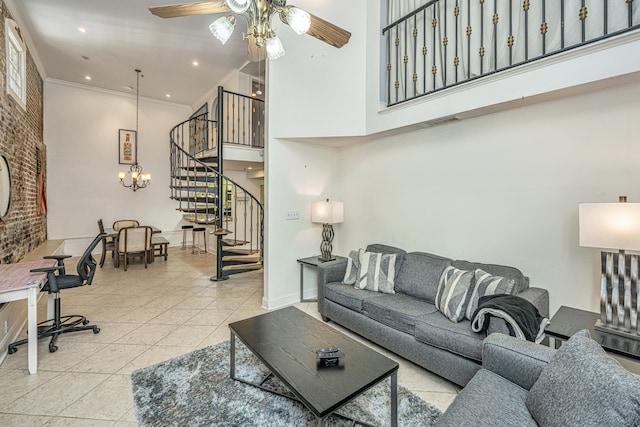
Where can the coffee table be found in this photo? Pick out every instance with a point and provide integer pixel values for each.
(286, 341)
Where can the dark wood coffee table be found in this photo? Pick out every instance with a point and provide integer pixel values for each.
(286, 341)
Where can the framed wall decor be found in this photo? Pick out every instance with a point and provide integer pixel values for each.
(127, 147)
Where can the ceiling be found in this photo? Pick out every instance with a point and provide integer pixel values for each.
(122, 35)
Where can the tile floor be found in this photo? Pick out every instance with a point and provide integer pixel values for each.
(145, 317)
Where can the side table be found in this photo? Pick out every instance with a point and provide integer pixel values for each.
(567, 321)
(312, 262)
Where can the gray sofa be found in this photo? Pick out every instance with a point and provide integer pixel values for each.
(407, 322)
(525, 384)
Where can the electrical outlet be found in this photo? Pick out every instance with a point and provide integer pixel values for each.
(293, 215)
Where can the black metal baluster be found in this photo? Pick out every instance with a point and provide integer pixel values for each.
(434, 24)
(415, 55)
(495, 35)
(510, 37)
(561, 24)
(469, 30)
(526, 30)
(424, 49)
(630, 13)
(606, 17)
(456, 61)
(583, 19)
(388, 68)
(397, 44)
(405, 60)
(543, 27)
(445, 42)
(482, 51)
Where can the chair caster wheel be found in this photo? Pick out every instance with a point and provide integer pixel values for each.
(85, 322)
(53, 348)
(96, 329)
(12, 350)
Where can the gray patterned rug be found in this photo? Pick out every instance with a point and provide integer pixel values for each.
(195, 390)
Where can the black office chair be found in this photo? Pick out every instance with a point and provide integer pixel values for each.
(55, 283)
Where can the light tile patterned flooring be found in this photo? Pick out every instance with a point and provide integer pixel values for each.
(145, 316)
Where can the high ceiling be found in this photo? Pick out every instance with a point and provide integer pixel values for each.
(122, 35)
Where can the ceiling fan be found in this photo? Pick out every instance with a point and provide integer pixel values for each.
(263, 41)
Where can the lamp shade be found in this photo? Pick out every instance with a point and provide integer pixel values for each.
(274, 48)
(327, 212)
(298, 20)
(222, 28)
(610, 225)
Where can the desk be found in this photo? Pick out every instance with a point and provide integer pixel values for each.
(16, 283)
(312, 262)
(567, 321)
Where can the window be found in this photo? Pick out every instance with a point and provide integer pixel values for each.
(16, 63)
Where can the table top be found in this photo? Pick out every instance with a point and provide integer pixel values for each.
(567, 321)
(110, 232)
(315, 261)
(286, 341)
(18, 276)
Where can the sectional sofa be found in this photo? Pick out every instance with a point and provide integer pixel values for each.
(407, 322)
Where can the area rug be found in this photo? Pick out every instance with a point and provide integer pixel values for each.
(195, 390)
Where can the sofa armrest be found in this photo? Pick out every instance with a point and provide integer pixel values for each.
(331, 271)
(539, 298)
(516, 360)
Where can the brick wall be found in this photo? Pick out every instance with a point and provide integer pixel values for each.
(20, 136)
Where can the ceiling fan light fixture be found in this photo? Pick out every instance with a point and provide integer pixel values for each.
(274, 48)
(222, 28)
(298, 20)
(238, 6)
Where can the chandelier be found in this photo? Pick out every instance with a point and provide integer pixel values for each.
(138, 179)
(258, 15)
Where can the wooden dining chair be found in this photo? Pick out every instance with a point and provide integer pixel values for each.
(134, 241)
(122, 223)
(107, 244)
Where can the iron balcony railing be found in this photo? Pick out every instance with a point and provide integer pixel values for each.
(448, 42)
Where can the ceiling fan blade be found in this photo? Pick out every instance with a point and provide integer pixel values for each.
(328, 32)
(189, 9)
(256, 53)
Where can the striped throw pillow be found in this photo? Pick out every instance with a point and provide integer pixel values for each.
(486, 284)
(453, 292)
(353, 264)
(377, 272)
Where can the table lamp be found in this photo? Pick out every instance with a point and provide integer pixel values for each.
(615, 226)
(327, 213)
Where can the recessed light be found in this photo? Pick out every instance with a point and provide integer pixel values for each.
(195, 63)
(168, 95)
(82, 29)
(87, 77)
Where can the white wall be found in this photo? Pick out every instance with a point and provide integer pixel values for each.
(81, 132)
(502, 188)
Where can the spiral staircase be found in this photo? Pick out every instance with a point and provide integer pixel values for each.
(207, 197)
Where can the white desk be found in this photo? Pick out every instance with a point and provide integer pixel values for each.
(16, 283)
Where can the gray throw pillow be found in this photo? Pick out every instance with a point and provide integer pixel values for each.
(453, 292)
(582, 386)
(487, 284)
(377, 272)
(353, 264)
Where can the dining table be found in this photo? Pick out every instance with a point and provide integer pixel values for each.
(113, 234)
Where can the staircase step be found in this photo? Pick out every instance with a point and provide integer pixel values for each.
(196, 178)
(200, 168)
(210, 209)
(241, 259)
(200, 218)
(233, 242)
(210, 199)
(241, 267)
(203, 188)
(237, 251)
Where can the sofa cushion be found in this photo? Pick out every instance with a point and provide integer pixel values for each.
(488, 400)
(377, 272)
(453, 292)
(420, 275)
(385, 249)
(487, 284)
(353, 264)
(583, 386)
(398, 311)
(436, 330)
(347, 295)
(521, 282)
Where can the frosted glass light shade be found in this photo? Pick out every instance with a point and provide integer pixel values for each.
(238, 6)
(610, 225)
(327, 212)
(222, 28)
(298, 20)
(274, 48)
